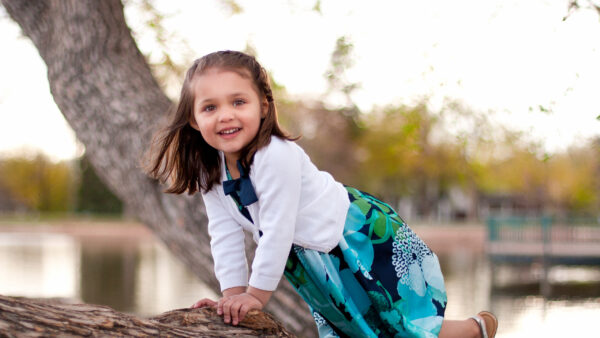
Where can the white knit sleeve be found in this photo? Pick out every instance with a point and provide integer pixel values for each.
(226, 242)
(277, 179)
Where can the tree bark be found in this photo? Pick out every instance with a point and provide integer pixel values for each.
(103, 86)
(21, 317)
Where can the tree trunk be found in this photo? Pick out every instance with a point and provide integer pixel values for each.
(104, 88)
(20, 317)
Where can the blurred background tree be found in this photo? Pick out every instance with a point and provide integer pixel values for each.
(38, 183)
(93, 197)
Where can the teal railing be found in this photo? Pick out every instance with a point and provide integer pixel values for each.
(566, 240)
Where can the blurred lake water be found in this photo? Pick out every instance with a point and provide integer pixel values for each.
(126, 268)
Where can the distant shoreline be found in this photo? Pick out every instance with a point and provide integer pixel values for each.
(440, 238)
(88, 231)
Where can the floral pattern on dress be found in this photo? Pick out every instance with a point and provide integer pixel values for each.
(380, 281)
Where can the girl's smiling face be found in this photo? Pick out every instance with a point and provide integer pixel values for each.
(227, 110)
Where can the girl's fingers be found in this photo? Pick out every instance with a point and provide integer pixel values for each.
(235, 309)
(204, 302)
(243, 311)
(220, 306)
(226, 311)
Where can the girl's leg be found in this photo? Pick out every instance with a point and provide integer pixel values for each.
(460, 329)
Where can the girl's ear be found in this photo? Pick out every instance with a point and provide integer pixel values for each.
(194, 124)
(264, 104)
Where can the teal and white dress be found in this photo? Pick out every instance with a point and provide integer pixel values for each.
(380, 281)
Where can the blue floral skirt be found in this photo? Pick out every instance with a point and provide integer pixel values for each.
(380, 281)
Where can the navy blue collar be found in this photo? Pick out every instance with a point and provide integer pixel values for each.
(242, 185)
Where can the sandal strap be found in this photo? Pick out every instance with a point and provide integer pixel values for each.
(481, 324)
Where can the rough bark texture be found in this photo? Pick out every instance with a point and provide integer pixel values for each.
(20, 317)
(104, 88)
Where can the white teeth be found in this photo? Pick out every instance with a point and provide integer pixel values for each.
(229, 131)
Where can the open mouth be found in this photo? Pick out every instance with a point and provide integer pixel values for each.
(229, 131)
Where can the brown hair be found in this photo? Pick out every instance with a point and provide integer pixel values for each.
(183, 157)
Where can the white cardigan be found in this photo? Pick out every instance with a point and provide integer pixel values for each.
(297, 204)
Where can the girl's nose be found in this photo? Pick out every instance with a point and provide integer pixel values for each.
(225, 115)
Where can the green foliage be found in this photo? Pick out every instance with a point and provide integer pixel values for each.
(56, 187)
(573, 179)
(341, 61)
(408, 151)
(232, 6)
(317, 7)
(411, 151)
(92, 194)
(398, 153)
(38, 183)
(167, 67)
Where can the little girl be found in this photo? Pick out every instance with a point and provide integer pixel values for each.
(361, 270)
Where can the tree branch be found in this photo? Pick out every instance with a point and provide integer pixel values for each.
(40, 318)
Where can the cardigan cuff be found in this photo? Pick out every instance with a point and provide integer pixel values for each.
(233, 282)
(264, 282)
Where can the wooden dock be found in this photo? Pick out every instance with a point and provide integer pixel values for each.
(547, 240)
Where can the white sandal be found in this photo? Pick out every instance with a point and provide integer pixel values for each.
(488, 324)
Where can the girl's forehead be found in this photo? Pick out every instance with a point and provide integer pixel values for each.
(221, 79)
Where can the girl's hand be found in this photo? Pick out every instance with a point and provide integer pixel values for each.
(204, 303)
(234, 308)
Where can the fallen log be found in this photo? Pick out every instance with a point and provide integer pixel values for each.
(24, 317)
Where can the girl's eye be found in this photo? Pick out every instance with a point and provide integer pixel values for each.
(209, 108)
(238, 102)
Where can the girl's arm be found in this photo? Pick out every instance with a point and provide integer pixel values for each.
(278, 183)
(226, 242)
(279, 193)
(234, 291)
(262, 295)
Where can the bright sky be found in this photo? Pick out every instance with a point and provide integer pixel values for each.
(502, 56)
